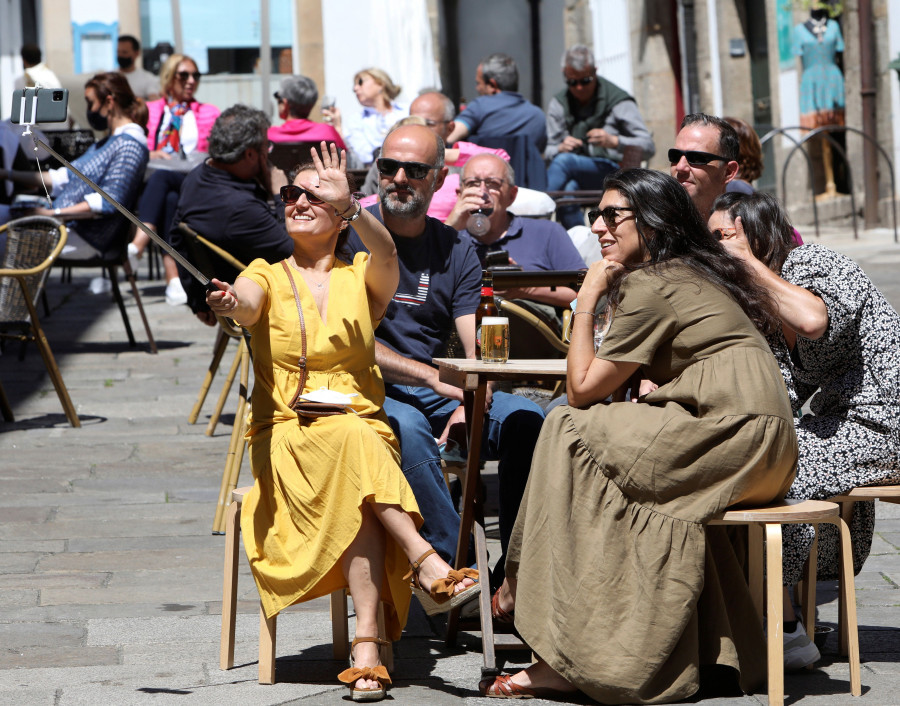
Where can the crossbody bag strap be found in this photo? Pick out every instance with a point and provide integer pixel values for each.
(302, 361)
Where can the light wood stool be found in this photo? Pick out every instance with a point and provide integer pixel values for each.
(764, 525)
(339, 628)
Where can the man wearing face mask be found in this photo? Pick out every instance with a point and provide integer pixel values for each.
(144, 84)
(227, 200)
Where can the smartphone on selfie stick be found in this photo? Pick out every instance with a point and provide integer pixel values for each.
(50, 105)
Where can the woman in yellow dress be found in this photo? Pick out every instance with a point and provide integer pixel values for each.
(330, 507)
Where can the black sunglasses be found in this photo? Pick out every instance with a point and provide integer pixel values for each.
(276, 96)
(694, 158)
(185, 75)
(291, 194)
(720, 233)
(584, 81)
(608, 214)
(414, 170)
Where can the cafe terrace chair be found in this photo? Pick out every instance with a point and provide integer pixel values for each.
(339, 628)
(287, 155)
(110, 262)
(32, 245)
(203, 254)
(765, 548)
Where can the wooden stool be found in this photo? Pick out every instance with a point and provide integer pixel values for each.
(807, 600)
(764, 524)
(339, 628)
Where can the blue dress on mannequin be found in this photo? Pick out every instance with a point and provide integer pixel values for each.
(822, 83)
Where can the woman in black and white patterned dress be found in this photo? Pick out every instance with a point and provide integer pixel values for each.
(839, 350)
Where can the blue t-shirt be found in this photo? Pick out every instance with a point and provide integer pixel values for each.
(440, 280)
(503, 114)
(533, 244)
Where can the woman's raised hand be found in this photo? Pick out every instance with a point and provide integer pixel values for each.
(223, 302)
(596, 282)
(736, 243)
(331, 172)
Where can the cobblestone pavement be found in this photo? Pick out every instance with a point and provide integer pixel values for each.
(110, 578)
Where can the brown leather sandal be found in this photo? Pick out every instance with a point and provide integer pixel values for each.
(503, 687)
(442, 597)
(498, 614)
(377, 673)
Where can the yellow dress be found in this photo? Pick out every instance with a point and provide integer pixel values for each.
(312, 475)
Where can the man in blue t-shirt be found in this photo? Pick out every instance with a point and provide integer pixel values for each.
(488, 182)
(500, 111)
(439, 290)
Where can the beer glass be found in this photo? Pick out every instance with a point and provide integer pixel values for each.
(495, 339)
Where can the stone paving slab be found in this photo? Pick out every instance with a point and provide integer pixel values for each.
(110, 579)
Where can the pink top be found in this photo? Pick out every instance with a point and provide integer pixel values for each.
(204, 113)
(301, 130)
(444, 199)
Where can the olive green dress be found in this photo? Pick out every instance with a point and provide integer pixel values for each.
(621, 587)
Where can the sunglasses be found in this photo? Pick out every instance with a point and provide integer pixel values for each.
(414, 170)
(185, 75)
(276, 96)
(720, 233)
(291, 194)
(694, 158)
(584, 81)
(489, 184)
(609, 215)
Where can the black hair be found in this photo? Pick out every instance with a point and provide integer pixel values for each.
(729, 142)
(135, 44)
(672, 228)
(31, 54)
(766, 225)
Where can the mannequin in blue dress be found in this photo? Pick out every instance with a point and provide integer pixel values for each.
(818, 42)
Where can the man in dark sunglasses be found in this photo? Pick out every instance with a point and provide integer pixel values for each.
(590, 124)
(704, 158)
(439, 290)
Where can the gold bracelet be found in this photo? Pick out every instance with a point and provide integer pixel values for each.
(591, 313)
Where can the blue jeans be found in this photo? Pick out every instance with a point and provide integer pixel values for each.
(573, 172)
(511, 427)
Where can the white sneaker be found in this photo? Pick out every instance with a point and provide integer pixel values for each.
(100, 285)
(134, 257)
(175, 294)
(799, 650)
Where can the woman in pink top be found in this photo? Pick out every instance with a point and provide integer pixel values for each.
(178, 123)
(296, 98)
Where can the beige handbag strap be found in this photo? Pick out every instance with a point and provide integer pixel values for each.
(302, 361)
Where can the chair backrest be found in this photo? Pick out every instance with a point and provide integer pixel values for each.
(70, 144)
(32, 244)
(524, 157)
(530, 336)
(209, 258)
(287, 155)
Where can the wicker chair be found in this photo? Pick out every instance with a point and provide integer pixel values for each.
(32, 245)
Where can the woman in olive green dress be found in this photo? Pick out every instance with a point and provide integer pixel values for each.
(613, 579)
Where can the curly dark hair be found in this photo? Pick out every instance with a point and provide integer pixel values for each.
(750, 150)
(766, 225)
(340, 247)
(671, 229)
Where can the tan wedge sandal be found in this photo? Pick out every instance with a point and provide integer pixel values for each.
(377, 673)
(442, 597)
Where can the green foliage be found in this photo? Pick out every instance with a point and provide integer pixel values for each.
(834, 8)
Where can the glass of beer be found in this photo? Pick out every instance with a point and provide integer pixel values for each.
(495, 339)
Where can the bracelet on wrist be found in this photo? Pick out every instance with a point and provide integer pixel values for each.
(356, 215)
(590, 313)
(353, 204)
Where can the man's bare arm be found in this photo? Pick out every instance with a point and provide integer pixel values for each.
(400, 370)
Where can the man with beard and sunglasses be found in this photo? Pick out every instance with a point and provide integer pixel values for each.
(227, 200)
(440, 280)
(704, 158)
(590, 124)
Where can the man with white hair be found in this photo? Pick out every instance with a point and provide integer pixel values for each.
(589, 125)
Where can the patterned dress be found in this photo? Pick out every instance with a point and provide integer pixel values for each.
(852, 435)
(822, 83)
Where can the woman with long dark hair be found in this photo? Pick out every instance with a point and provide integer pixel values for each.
(613, 579)
(838, 346)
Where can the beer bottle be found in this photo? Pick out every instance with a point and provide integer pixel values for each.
(485, 308)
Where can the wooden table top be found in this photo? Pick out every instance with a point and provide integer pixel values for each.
(467, 374)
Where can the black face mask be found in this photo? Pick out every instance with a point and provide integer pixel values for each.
(97, 121)
(125, 62)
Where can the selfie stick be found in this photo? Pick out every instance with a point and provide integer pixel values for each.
(179, 258)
